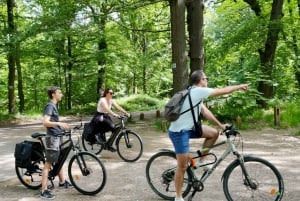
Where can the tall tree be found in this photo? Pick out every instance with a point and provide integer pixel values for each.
(196, 34)
(267, 55)
(11, 33)
(180, 74)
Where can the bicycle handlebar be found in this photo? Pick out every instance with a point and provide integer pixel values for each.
(68, 132)
(122, 116)
(230, 131)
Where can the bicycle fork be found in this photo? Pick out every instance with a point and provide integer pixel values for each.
(247, 179)
(82, 165)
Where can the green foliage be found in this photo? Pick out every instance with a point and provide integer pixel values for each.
(140, 103)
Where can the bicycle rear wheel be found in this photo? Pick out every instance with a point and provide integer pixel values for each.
(95, 148)
(160, 172)
(268, 181)
(31, 177)
(87, 173)
(129, 146)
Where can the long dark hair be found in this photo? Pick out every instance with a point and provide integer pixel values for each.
(106, 91)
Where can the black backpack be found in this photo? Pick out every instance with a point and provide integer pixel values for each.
(27, 153)
(88, 133)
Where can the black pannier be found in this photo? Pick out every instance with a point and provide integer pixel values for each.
(27, 152)
(88, 133)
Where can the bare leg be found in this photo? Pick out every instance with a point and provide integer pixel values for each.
(182, 161)
(45, 174)
(61, 176)
(211, 135)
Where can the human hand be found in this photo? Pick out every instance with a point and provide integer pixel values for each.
(127, 114)
(244, 87)
(64, 126)
(116, 115)
(224, 126)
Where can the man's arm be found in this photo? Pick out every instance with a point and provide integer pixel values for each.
(48, 123)
(229, 89)
(207, 114)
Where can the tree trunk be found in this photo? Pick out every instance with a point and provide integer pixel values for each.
(69, 75)
(195, 28)
(20, 80)
(144, 50)
(268, 54)
(294, 42)
(11, 57)
(180, 75)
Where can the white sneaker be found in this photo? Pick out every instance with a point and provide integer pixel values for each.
(178, 199)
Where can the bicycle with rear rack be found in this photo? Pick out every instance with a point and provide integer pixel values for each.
(85, 170)
(246, 178)
(128, 144)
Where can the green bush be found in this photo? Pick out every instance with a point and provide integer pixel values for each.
(140, 103)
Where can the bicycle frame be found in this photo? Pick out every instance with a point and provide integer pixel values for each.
(118, 129)
(198, 184)
(240, 179)
(65, 149)
(64, 152)
(231, 149)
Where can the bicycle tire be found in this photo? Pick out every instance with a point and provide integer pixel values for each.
(31, 177)
(264, 174)
(87, 173)
(129, 146)
(94, 148)
(160, 171)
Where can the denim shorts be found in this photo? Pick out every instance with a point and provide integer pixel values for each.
(181, 140)
(52, 148)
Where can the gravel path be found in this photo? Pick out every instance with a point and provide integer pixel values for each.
(127, 182)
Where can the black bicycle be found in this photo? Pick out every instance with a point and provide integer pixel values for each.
(85, 170)
(129, 144)
(246, 178)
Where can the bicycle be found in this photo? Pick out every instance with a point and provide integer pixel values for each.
(85, 170)
(246, 178)
(129, 144)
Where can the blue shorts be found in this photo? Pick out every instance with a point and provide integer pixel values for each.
(181, 140)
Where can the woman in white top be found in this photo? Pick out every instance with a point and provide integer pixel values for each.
(102, 121)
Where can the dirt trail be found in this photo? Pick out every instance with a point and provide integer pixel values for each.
(127, 182)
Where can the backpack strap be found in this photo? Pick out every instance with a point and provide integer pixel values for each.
(192, 108)
(191, 105)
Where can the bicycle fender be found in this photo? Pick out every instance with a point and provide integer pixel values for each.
(166, 150)
(234, 163)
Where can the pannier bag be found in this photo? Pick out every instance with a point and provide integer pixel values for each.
(88, 133)
(28, 152)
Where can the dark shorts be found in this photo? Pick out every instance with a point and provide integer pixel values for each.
(181, 140)
(52, 148)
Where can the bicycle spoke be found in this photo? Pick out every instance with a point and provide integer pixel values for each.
(87, 173)
(129, 146)
(266, 182)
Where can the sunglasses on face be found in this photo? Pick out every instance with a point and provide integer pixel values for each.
(205, 78)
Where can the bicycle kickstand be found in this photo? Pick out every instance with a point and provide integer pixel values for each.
(51, 186)
(191, 196)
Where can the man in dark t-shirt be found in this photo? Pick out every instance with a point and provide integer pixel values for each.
(53, 140)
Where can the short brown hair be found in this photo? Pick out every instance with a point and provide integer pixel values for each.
(51, 90)
(196, 76)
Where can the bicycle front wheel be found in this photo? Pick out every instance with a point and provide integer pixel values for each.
(267, 180)
(87, 173)
(94, 147)
(129, 146)
(31, 177)
(160, 172)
